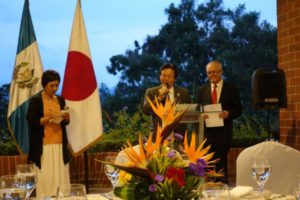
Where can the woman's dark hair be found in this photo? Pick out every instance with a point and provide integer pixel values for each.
(170, 66)
(49, 76)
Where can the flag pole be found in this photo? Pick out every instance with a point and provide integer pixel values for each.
(26, 81)
(86, 171)
(81, 93)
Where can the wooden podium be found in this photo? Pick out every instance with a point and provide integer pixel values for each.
(193, 115)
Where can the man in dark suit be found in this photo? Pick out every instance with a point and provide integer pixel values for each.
(226, 94)
(168, 75)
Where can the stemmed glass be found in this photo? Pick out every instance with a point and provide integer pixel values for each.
(27, 171)
(111, 172)
(11, 187)
(297, 188)
(261, 171)
(217, 190)
(71, 191)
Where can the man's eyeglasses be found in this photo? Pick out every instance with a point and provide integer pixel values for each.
(166, 76)
(213, 72)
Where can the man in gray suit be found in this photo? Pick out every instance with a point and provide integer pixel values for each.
(168, 75)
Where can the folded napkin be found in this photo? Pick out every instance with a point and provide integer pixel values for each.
(239, 191)
(96, 197)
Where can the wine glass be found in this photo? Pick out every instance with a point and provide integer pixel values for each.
(261, 171)
(215, 190)
(297, 188)
(71, 191)
(12, 187)
(112, 173)
(27, 170)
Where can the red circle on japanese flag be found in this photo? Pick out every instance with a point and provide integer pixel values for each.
(79, 79)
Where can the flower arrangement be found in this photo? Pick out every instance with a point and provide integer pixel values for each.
(156, 171)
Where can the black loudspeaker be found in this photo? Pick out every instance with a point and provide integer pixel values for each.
(269, 89)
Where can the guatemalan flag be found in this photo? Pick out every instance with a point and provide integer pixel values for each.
(80, 89)
(26, 81)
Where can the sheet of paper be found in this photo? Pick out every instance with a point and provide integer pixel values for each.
(212, 112)
(186, 106)
(57, 119)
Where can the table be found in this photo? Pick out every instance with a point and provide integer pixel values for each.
(273, 196)
(98, 197)
(247, 197)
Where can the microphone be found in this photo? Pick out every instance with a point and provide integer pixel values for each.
(164, 95)
(167, 85)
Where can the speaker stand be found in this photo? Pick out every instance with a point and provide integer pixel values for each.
(268, 125)
(269, 108)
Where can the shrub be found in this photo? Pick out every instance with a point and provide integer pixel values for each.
(122, 127)
(8, 148)
(7, 144)
(248, 131)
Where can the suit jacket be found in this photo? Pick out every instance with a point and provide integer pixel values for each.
(230, 101)
(36, 130)
(181, 95)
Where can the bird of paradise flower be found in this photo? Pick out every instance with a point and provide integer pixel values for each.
(139, 160)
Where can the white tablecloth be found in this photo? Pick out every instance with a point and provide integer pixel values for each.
(96, 197)
(272, 197)
(99, 197)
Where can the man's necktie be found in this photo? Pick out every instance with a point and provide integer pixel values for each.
(171, 96)
(214, 96)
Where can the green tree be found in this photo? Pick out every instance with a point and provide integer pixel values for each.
(4, 98)
(194, 35)
(7, 144)
(138, 70)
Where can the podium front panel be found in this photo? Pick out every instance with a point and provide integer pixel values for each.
(198, 118)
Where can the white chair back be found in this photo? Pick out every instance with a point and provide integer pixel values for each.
(285, 163)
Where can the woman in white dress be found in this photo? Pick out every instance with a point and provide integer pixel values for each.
(47, 136)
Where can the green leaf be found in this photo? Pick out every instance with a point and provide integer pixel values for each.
(133, 191)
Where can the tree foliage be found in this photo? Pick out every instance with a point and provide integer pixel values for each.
(193, 36)
(4, 96)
